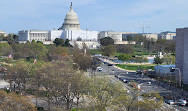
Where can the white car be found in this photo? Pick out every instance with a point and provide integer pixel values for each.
(99, 68)
(182, 102)
(171, 102)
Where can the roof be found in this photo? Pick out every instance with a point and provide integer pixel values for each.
(169, 32)
(167, 65)
(2, 31)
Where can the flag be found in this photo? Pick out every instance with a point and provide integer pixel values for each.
(35, 61)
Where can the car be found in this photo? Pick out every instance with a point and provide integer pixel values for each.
(120, 78)
(99, 69)
(182, 102)
(139, 72)
(171, 102)
(125, 80)
(149, 69)
(110, 64)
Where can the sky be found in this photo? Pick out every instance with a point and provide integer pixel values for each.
(97, 15)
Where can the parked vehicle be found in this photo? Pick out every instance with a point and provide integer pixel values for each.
(110, 64)
(182, 102)
(171, 102)
(139, 72)
(99, 69)
(125, 80)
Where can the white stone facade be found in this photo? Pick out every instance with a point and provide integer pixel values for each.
(125, 42)
(72, 35)
(69, 30)
(37, 35)
(89, 44)
(182, 53)
(116, 36)
(56, 34)
(3, 33)
(83, 35)
(167, 35)
(151, 36)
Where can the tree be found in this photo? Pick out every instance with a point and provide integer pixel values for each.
(158, 60)
(5, 49)
(14, 102)
(151, 101)
(81, 60)
(139, 38)
(67, 44)
(129, 38)
(124, 57)
(94, 64)
(15, 37)
(59, 41)
(49, 80)
(135, 101)
(39, 42)
(106, 41)
(18, 75)
(57, 53)
(11, 38)
(109, 50)
(170, 47)
(140, 59)
(1, 37)
(102, 93)
(149, 44)
(33, 41)
(62, 83)
(169, 59)
(29, 51)
(160, 45)
(127, 49)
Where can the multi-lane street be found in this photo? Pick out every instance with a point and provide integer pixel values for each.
(145, 83)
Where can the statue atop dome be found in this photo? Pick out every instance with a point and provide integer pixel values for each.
(71, 21)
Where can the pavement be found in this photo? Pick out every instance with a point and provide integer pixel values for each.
(143, 81)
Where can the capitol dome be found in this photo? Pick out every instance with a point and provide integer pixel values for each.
(71, 21)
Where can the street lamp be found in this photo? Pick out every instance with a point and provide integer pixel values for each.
(158, 81)
(173, 69)
(182, 89)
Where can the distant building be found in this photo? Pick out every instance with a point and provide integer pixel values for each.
(37, 35)
(147, 35)
(70, 29)
(3, 33)
(151, 36)
(125, 42)
(89, 44)
(163, 69)
(116, 36)
(167, 35)
(182, 53)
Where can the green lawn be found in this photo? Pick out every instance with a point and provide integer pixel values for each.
(136, 67)
(95, 51)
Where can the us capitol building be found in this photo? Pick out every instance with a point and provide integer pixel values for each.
(70, 29)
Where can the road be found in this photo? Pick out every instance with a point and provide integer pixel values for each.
(146, 84)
